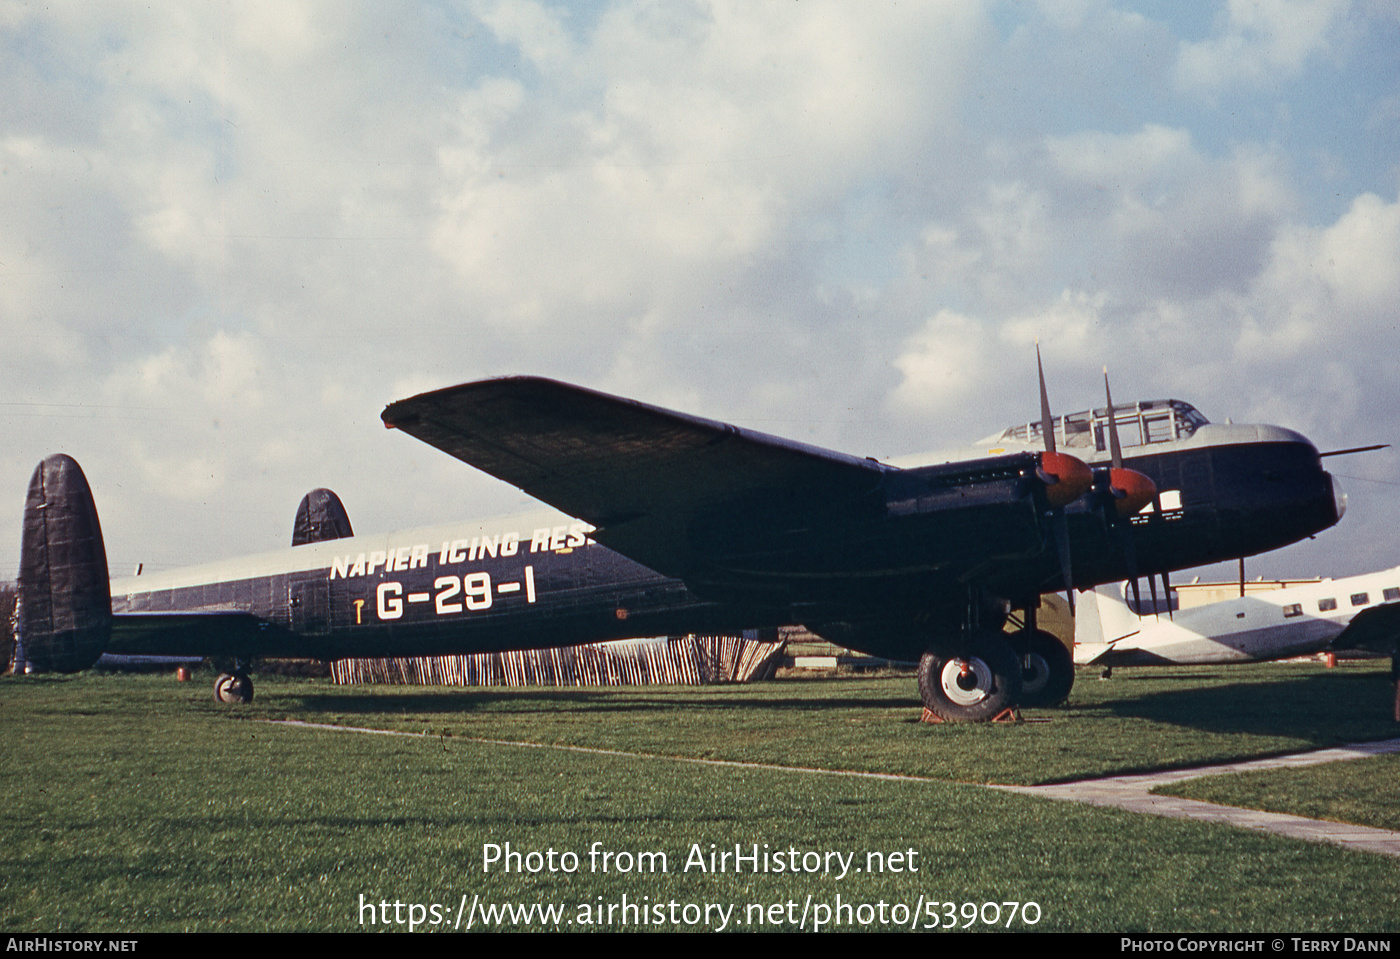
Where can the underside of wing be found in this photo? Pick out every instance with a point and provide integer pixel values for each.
(646, 477)
(607, 459)
(1376, 629)
(203, 633)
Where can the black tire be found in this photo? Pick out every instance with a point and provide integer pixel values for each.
(972, 685)
(231, 689)
(1047, 671)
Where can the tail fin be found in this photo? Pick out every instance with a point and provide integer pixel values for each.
(1104, 616)
(320, 517)
(65, 598)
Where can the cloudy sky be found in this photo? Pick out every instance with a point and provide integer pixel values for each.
(231, 233)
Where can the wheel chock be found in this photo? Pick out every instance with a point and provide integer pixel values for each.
(1010, 714)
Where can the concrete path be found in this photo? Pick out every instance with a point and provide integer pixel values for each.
(1135, 793)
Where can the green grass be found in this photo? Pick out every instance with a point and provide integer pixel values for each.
(1140, 719)
(137, 804)
(1360, 791)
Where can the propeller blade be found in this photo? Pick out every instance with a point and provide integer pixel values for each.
(1066, 571)
(1167, 585)
(1125, 533)
(1152, 586)
(1131, 489)
(1047, 422)
(1137, 596)
(1071, 478)
(1114, 448)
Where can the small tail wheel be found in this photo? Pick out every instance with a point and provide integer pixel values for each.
(233, 688)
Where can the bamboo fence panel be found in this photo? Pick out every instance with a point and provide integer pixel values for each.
(683, 661)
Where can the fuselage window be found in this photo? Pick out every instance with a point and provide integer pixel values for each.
(1360, 599)
(1392, 594)
(1295, 610)
(1323, 605)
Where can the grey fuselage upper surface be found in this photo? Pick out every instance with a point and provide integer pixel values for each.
(457, 588)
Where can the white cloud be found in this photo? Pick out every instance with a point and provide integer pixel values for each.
(942, 363)
(539, 32)
(688, 142)
(1167, 218)
(1259, 40)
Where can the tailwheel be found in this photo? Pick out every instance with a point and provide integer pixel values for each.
(1047, 670)
(977, 683)
(233, 688)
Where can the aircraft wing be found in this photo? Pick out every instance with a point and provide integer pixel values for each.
(641, 474)
(1376, 629)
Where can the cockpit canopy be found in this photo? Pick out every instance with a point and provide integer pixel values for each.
(1139, 424)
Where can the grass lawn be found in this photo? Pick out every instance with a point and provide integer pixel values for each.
(1140, 719)
(134, 803)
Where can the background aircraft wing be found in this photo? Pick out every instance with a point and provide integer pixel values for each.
(641, 474)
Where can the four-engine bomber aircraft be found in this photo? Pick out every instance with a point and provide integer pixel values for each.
(677, 524)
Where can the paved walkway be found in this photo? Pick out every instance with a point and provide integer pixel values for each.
(1135, 793)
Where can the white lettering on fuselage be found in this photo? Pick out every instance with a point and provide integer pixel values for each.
(454, 552)
(454, 594)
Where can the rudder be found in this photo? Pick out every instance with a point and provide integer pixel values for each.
(320, 517)
(1104, 616)
(65, 597)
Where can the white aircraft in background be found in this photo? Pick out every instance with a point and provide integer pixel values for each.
(1359, 612)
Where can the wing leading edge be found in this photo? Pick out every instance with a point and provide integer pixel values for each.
(644, 476)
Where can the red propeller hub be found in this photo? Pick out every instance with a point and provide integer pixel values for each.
(1131, 490)
(1065, 477)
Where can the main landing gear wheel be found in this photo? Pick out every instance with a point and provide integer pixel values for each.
(973, 685)
(231, 689)
(1047, 671)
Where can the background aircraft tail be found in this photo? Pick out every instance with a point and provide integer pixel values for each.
(1103, 617)
(65, 599)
